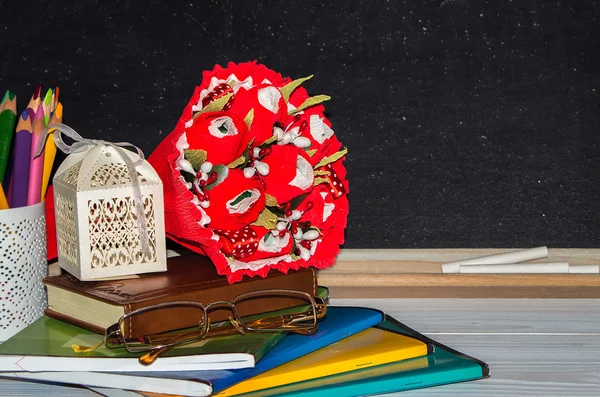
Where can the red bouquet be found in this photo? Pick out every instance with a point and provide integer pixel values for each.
(253, 174)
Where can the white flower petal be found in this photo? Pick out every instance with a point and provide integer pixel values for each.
(222, 127)
(310, 235)
(304, 174)
(304, 253)
(262, 168)
(206, 167)
(269, 98)
(242, 202)
(319, 130)
(302, 142)
(249, 172)
(271, 243)
(287, 138)
(278, 132)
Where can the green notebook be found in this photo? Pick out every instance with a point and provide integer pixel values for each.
(45, 345)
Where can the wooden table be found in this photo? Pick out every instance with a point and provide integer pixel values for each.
(535, 347)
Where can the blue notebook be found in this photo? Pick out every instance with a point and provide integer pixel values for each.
(443, 366)
(339, 323)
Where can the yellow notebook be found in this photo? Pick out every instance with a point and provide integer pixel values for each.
(366, 349)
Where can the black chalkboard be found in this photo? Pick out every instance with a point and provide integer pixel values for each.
(469, 123)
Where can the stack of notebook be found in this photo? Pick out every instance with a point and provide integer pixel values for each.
(356, 351)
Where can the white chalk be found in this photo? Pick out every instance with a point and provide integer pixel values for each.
(584, 269)
(516, 268)
(509, 257)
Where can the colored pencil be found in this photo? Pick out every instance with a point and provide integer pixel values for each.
(21, 161)
(46, 106)
(36, 168)
(35, 101)
(3, 202)
(55, 99)
(8, 118)
(50, 150)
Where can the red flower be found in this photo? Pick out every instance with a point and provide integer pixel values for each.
(290, 173)
(221, 130)
(268, 107)
(235, 202)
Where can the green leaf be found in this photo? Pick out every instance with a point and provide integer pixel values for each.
(222, 173)
(321, 180)
(239, 161)
(266, 219)
(271, 201)
(290, 87)
(321, 172)
(311, 152)
(269, 141)
(331, 159)
(196, 157)
(296, 201)
(215, 106)
(313, 100)
(249, 118)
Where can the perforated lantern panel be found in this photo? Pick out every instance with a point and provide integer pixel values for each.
(96, 222)
(23, 265)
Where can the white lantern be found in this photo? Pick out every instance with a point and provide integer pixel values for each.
(99, 231)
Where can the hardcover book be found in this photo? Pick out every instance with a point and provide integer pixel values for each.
(95, 305)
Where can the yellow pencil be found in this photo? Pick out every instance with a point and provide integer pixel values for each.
(3, 202)
(50, 150)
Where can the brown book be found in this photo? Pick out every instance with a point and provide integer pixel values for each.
(95, 305)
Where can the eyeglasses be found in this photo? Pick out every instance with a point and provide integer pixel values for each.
(302, 319)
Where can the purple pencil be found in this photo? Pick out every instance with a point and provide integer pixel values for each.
(21, 161)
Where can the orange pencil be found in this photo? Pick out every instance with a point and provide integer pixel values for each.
(37, 165)
(50, 150)
(55, 95)
(3, 202)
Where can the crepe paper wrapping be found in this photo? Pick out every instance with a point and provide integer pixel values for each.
(253, 174)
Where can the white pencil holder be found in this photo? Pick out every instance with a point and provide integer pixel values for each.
(23, 266)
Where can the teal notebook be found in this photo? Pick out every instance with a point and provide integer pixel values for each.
(443, 366)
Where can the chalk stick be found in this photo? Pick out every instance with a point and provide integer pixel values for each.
(509, 257)
(584, 269)
(516, 268)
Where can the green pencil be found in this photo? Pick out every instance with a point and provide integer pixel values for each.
(8, 117)
(47, 106)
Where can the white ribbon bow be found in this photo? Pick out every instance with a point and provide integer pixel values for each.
(82, 145)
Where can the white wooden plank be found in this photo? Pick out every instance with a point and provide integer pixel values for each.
(16, 388)
(444, 255)
(562, 365)
(489, 315)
